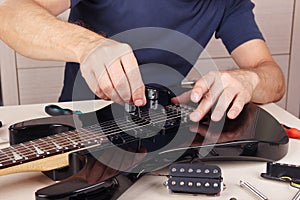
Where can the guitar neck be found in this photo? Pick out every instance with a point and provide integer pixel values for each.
(47, 153)
(52, 152)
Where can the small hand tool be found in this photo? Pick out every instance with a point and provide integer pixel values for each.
(291, 132)
(253, 190)
(55, 110)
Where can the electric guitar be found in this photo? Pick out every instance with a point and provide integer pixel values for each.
(98, 155)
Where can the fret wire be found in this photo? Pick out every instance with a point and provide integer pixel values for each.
(63, 141)
(74, 141)
(20, 149)
(26, 147)
(49, 141)
(37, 147)
(58, 140)
(53, 140)
(23, 151)
(79, 142)
(93, 134)
(75, 138)
(46, 148)
(43, 146)
(9, 155)
(16, 151)
(3, 153)
(30, 150)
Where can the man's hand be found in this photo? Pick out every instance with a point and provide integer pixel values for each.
(112, 73)
(224, 89)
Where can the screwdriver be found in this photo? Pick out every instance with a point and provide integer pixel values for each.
(291, 132)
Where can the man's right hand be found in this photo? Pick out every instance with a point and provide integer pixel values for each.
(112, 73)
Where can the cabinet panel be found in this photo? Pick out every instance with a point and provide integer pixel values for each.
(40, 85)
(24, 62)
(8, 74)
(275, 21)
(293, 104)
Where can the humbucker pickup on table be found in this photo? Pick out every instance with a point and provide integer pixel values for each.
(195, 178)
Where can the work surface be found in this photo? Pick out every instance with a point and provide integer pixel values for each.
(23, 185)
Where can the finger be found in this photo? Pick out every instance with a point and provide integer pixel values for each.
(202, 130)
(237, 106)
(106, 87)
(202, 86)
(137, 87)
(208, 100)
(119, 80)
(101, 94)
(182, 99)
(223, 103)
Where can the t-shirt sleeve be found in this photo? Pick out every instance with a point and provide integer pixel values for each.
(74, 3)
(238, 25)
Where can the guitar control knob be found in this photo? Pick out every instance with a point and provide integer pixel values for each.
(130, 108)
(153, 104)
(152, 94)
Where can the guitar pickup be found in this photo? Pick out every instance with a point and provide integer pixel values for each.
(282, 172)
(195, 179)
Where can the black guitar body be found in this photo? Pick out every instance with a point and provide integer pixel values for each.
(159, 140)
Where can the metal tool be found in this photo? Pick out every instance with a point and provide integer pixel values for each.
(297, 196)
(253, 190)
(188, 84)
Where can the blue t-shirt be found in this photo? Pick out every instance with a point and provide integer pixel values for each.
(169, 33)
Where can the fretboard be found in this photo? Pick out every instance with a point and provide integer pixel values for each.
(94, 135)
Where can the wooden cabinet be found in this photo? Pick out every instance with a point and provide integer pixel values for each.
(27, 81)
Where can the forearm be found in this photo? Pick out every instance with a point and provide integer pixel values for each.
(33, 32)
(270, 85)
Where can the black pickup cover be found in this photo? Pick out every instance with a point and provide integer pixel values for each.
(195, 178)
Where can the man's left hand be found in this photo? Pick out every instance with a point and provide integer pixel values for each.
(227, 90)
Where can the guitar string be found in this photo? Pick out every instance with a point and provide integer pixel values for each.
(87, 132)
(98, 131)
(51, 149)
(106, 130)
(94, 132)
(89, 129)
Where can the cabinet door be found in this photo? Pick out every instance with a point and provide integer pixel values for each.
(274, 18)
(40, 85)
(293, 103)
